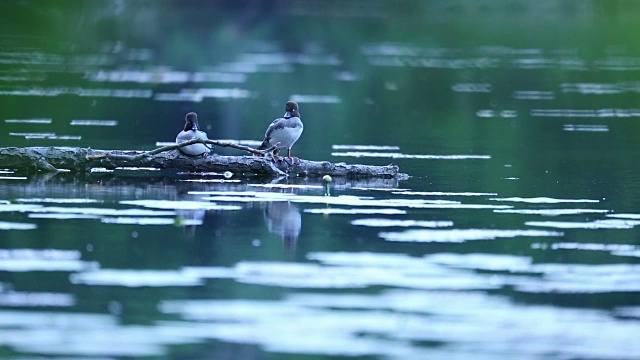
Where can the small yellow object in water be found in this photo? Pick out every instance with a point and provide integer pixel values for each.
(327, 178)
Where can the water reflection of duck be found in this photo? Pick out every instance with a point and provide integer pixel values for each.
(189, 219)
(285, 130)
(284, 219)
(192, 131)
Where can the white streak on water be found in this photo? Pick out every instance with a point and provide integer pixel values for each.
(551, 212)
(287, 186)
(585, 113)
(544, 200)
(379, 222)
(587, 128)
(597, 224)
(149, 221)
(134, 278)
(47, 254)
(361, 270)
(461, 235)
(135, 168)
(442, 193)
(316, 99)
(22, 260)
(63, 137)
(631, 253)
(213, 180)
(533, 95)
(69, 335)
(222, 77)
(58, 200)
(359, 154)
(219, 93)
(98, 211)
(197, 95)
(590, 88)
(180, 205)
(6, 225)
(584, 246)
(35, 92)
(247, 194)
(393, 190)
(625, 216)
(365, 147)
(25, 265)
(485, 113)
(472, 87)
(628, 311)
(48, 136)
(116, 93)
(241, 142)
(163, 76)
(94, 122)
(101, 171)
(619, 63)
(351, 201)
(28, 121)
(159, 76)
(332, 211)
(582, 279)
(7, 207)
(36, 299)
(488, 262)
(32, 134)
(601, 88)
(346, 76)
(70, 216)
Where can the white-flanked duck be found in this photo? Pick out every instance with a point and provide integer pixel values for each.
(192, 131)
(285, 130)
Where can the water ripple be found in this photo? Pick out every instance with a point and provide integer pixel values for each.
(544, 200)
(6, 225)
(597, 224)
(588, 113)
(376, 222)
(134, 278)
(331, 211)
(359, 154)
(461, 235)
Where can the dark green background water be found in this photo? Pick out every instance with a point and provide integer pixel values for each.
(539, 98)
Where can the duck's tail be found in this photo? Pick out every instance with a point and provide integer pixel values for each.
(264, 146)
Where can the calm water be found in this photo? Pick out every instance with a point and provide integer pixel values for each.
(513, 237)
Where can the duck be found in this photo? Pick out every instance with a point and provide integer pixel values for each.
(284, 131)
(192, 131)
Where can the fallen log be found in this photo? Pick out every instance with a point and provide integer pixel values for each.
(54, 159)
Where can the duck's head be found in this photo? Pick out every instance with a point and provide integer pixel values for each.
(191, 122)
(291, 110)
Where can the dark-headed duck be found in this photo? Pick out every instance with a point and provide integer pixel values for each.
(285, 130)
(192, 131)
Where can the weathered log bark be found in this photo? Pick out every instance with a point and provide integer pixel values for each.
(51, 159)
